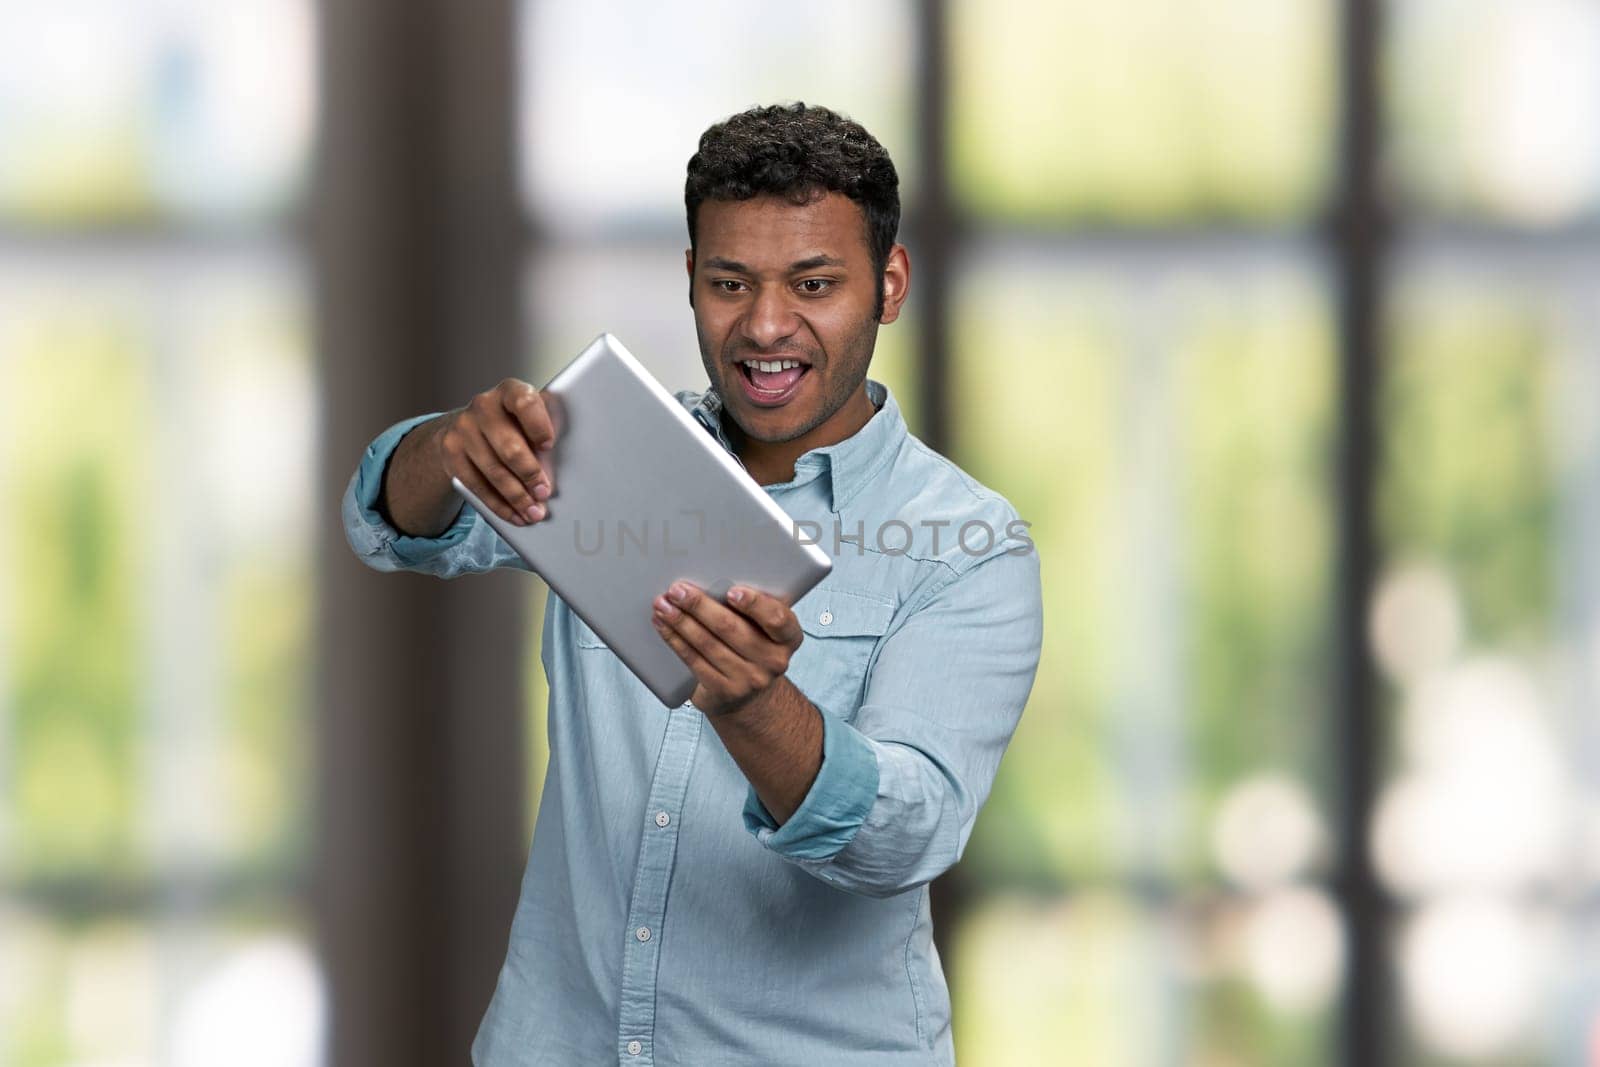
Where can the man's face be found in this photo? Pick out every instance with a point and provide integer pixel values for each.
(775, 281)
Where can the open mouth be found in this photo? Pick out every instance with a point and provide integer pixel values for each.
(769, 382)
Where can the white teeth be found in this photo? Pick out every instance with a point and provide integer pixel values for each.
(772, 365)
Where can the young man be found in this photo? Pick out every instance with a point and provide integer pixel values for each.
(743, 880)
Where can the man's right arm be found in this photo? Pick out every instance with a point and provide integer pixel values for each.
(401, 512)
(415, 495)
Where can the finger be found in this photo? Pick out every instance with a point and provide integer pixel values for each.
(531, 422)
(513, 450)
(453, 445)
(526, 406)
(775, 618)
(490, 496)
(728, 663)
(734, 630)
(705, 673)
(510, 488)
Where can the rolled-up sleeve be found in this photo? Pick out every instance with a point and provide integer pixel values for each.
(899, 789)
(467, 546)
(834, 808)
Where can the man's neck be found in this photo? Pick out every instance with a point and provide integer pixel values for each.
(772, 463)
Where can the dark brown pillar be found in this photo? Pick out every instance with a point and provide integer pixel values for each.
(419, 806)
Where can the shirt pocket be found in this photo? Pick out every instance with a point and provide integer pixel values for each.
(842, 628)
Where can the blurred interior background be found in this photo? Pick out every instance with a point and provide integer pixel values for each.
(1278, 319)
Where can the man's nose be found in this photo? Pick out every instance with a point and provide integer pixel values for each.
(770, 320)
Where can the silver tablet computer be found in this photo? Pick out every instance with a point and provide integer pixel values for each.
(644, 495)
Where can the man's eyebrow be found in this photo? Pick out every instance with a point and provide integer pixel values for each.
(814, 262)
(810, 263)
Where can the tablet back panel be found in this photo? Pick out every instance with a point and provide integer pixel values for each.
(645, 495)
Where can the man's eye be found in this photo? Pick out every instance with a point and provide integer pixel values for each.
(816, 285)
(727, 285)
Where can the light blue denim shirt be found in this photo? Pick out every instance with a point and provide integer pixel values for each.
(665, 917)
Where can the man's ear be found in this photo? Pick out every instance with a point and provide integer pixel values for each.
(688, 266)
(896, 283)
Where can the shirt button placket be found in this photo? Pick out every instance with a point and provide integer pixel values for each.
(647, 908)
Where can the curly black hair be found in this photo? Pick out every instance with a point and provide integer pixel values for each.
(798, 151)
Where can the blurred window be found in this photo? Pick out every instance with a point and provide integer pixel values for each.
(1486, 620)
(1495, 109)
(176, 111)
(157, 437)
(1163, 417)
(664, 73)
(1160, 402)
(1142, 112)
(1486, 625)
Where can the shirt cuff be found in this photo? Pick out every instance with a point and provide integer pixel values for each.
(844, 791)
(409, 551)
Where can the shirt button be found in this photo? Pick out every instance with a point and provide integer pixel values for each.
(643, 933)
(825, 618)
(634, 1048)
(688, 703)
(662, 818)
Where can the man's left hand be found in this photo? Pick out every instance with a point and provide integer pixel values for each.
(737, 651)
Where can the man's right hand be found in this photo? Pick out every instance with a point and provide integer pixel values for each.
(498, 445)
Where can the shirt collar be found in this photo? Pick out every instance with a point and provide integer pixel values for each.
(849, 464)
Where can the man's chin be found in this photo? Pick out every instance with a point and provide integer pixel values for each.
(768, 427)
(771, 426)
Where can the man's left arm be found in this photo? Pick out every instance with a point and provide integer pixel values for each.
(887, 802)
